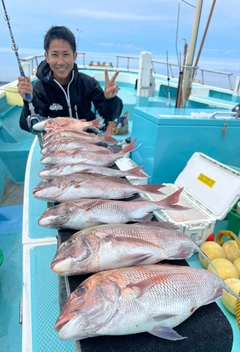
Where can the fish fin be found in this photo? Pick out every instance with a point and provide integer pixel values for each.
(136, 259)
(117, 179)
(151, 188)
(138, 200)
(128, 148)
(147, 217)
(135, 171)
(131, 241)
(169, 202)
(107, 135)
(96, 122)
(166, 333)
(162, 224)
(183, 253)
(92, 204)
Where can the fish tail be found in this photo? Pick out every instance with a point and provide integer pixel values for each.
(128, 148)
(151, 188)
(169, 202)
(107, 135)
(135, 171)
(97, 122)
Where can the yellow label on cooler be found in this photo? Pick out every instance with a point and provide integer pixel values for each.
(206, 180)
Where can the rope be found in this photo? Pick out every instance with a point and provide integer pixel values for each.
(238, 311)
(228, 234)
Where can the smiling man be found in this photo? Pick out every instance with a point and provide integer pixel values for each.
(63, 91)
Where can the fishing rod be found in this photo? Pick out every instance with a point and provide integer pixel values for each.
(33, 118)
(181, 76)
(15, 49)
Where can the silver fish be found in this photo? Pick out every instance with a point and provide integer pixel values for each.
(148, 298)
(75, 187)
(90, 212)
(112, 246)
(63, 170)
(67, 157)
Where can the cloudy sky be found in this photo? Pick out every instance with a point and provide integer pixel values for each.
(123, 27)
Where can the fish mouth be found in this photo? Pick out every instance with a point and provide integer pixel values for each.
(36, 190)
(54, 265)
(63, 320)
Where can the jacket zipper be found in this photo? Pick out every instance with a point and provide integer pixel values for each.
(76, 112)
(67, 95)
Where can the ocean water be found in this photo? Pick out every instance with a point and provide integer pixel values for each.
(215, 65)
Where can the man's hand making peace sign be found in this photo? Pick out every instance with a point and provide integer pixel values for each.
(111, 88)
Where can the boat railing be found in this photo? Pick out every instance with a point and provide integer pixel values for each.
(228, 74)
(34, 61)
(130, 65)
(202, 71)
(129, 58)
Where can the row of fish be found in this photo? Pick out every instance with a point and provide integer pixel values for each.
(127, 292)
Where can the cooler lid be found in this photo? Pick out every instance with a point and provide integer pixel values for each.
(215, 185)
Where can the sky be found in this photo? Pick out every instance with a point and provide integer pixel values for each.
(124, 27)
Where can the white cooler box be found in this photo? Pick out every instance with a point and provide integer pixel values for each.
(211, 189)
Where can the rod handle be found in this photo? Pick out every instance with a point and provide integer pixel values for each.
(28, 96)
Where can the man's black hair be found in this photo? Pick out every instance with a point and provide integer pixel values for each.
(59, 32)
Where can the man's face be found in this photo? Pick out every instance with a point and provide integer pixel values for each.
(61, 58)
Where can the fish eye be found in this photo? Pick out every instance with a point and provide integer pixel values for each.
(80, 291)
(49, 179)
(70, 241)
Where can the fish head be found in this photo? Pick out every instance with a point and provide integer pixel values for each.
(50, 188)
(47, 149)
(51, 124)
(89, 308)
(75, 254)
(58, 215)
(47, 172)
(39, 126)
(47, 159)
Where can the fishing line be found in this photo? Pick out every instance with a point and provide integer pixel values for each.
(15, 49)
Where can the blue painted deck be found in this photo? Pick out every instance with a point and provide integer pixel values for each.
(10, 278)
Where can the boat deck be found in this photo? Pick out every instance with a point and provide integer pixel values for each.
(11, 277)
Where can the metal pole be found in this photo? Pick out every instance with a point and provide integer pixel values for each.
(192, 46)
